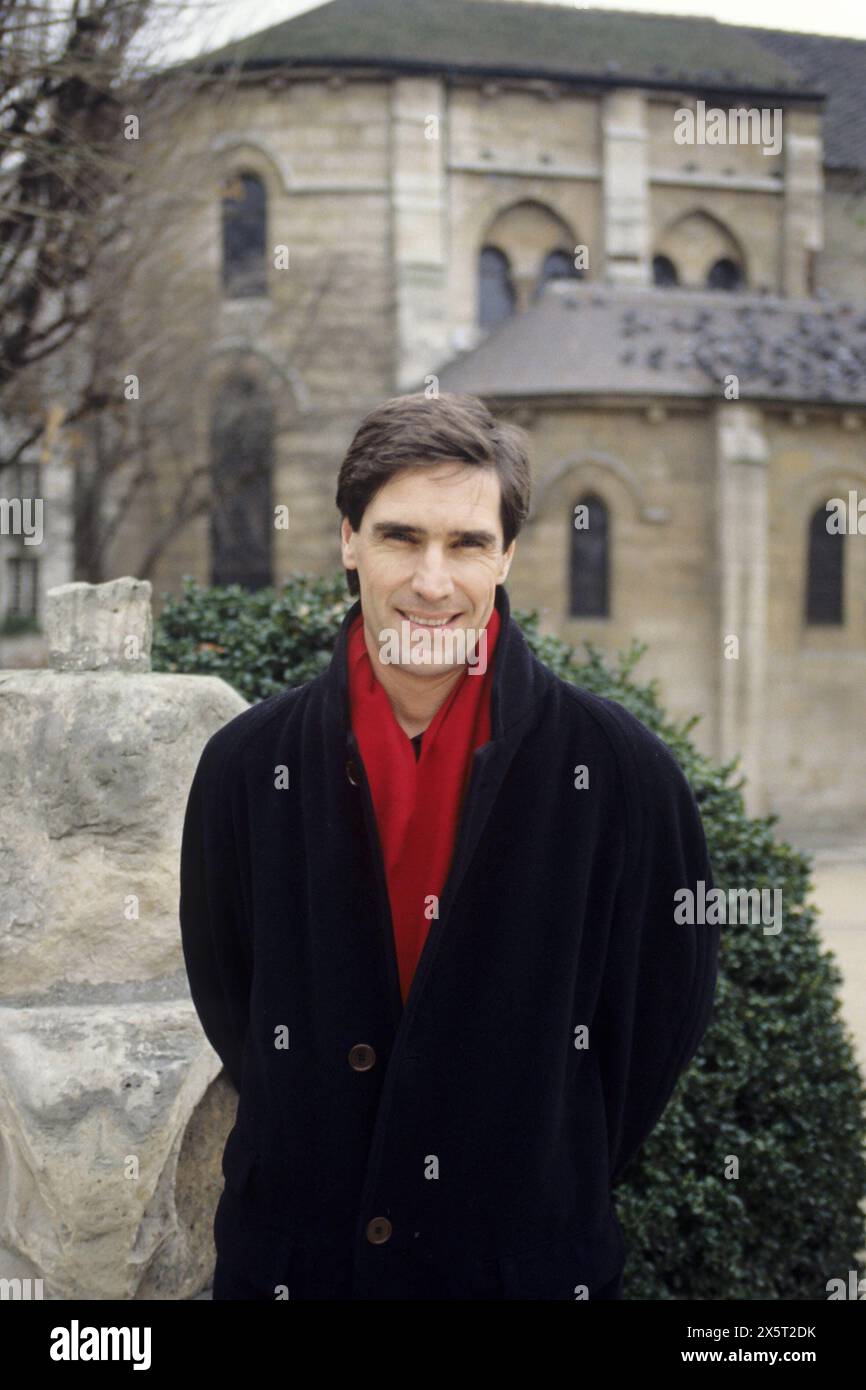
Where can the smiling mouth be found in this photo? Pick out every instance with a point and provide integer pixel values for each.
(432, 620)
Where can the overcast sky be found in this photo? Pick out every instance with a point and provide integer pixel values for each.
(214, 22)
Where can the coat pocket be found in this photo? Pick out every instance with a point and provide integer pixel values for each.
(571, 1265)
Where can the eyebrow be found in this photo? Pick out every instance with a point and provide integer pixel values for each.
(381, 528)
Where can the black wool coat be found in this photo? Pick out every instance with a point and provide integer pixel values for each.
(465, 1146)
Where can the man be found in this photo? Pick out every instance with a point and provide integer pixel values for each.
(427, 906)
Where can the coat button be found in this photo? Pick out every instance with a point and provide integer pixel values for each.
(352, 772)
(361, 1057)
(379, 1230)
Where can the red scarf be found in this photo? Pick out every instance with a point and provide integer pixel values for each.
(417, 803)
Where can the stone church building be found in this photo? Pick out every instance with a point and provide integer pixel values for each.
(641, 237)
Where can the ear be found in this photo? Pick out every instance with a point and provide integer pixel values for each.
(347, 544)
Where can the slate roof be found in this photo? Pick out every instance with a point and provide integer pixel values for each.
(835, 66)
(530, 40)
(585, 339)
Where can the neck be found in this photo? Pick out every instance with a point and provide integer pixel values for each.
(414, 699)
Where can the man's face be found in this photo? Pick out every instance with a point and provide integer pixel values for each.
(430, 546)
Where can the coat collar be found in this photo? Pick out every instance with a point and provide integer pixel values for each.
(519, 679)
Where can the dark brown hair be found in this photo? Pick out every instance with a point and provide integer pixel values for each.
(411, 431)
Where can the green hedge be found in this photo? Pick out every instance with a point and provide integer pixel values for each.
(775, 1080)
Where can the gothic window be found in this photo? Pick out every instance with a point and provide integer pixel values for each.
(241, 519)
(725, 274)
(495, 290)
(589, 559)
(664, 271)
(824, 571)
(244, 218)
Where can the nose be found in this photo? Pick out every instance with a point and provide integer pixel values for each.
(432, 579)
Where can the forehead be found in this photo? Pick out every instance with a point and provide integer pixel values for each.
(444, 487)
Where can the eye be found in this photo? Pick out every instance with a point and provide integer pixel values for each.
(403, 538)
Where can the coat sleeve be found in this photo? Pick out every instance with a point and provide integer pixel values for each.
(660, 973)
(216, 953)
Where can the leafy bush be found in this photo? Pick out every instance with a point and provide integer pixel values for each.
(775, 1080)
(260, 642)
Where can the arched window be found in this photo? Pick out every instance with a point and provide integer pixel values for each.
(589, 559)
(244, 217)
(557, 265)
(824, 571)
(495, 290)
(241, 519)
(664, 271)
(725, 274)
(696, 243)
